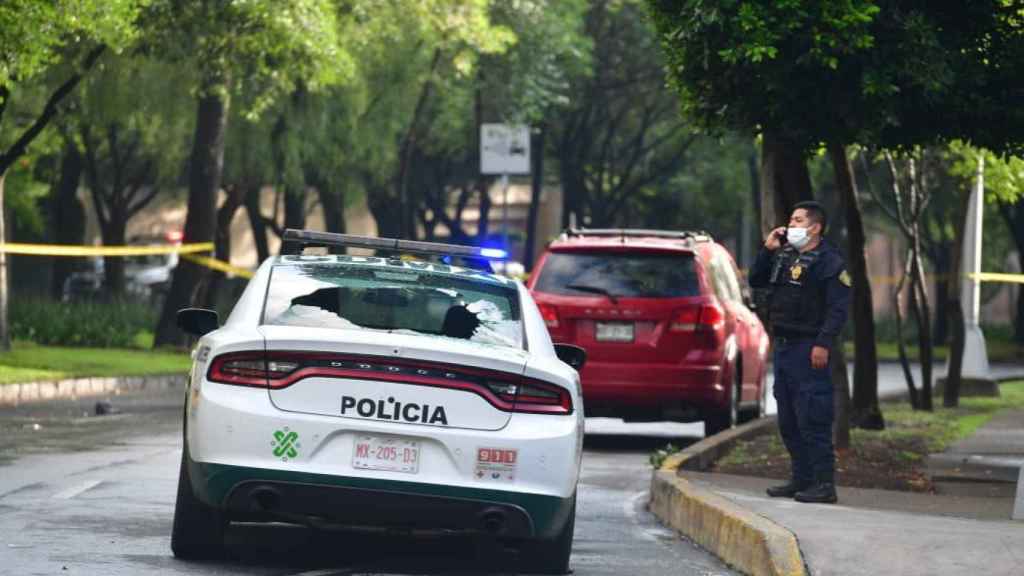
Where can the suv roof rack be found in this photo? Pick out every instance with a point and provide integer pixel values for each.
(696, 236)
(296, 241)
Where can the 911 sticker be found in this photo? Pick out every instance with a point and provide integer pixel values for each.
(497, 464)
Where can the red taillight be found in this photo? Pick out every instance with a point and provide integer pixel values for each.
(278, 369)
(698, 317)
(536, 398)
(549, 314)
(250, 369)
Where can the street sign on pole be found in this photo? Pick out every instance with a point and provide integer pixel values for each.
(504, 149)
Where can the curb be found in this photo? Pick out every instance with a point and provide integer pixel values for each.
(15, 394)
(742, 539)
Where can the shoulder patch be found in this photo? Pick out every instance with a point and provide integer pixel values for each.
(844, 279)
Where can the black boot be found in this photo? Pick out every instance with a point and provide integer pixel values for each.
(787, 490)
(823, 491)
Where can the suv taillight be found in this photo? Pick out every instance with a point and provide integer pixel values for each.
(549, 314)
(700, 317)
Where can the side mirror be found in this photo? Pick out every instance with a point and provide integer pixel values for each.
(572, 355)
(198, 321)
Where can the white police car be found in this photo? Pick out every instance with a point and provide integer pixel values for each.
(381, 391)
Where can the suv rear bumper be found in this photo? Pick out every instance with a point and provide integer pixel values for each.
(617, 388)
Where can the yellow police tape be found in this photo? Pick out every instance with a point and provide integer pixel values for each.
(219, 265)
(997, 277)
(66, 250)
(187, 251)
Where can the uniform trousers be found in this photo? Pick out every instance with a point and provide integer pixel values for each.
(805, 410)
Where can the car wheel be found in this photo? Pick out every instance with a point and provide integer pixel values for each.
(722, 420)
(198, 531)
(552, 556)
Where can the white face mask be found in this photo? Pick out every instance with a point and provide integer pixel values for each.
(797, 237)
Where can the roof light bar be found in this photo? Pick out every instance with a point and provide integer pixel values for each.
(295, 241)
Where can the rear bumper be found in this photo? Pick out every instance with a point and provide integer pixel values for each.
(230, 432)
(616, 388)
(264, 494)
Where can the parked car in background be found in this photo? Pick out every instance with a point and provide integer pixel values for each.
(147, 277)
(665, 320)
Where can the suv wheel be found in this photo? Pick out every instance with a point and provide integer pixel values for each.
(198, 532)
(720, 421)
(758, 410)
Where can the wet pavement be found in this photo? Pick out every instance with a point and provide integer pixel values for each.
(86, 494)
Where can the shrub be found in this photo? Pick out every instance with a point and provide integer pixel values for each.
(109, 324)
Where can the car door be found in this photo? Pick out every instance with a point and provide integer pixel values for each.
(728, 290)
(750, 333)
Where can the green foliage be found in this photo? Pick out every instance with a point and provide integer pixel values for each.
(22, 194)
(28, 362)
(260, 48)
(86, 323)
(658, 457)
(37, 34)
(869, 71)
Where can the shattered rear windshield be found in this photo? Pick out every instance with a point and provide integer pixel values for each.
(395, 296)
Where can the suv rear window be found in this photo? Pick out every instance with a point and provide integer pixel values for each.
(377, 294)
(629, 275)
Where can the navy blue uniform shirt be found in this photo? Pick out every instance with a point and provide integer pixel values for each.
(828, 270)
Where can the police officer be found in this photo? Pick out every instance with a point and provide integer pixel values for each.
(808, 291)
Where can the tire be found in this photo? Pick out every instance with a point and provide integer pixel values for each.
(757, 411)
(198, 531)
(552, 556)
(722, 420)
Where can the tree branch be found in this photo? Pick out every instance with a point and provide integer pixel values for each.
(20, 145)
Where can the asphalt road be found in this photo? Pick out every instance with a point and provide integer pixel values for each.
(85, 494)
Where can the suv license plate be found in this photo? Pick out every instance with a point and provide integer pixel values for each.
(392, 453)
(615, 331)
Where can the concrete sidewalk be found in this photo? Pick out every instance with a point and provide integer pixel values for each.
(965, 528)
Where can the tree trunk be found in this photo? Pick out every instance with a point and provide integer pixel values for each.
(784, 181)
(334, 209)
(222, 242)
(841, 397)
(385, 211)
(113, 266)
(67, 216)
(924, 325)
(295, 208)
(535, 197)
(901, 345)
(483, 224)
(259, 227)
(940, 333)
(5, 335)
(951, 390)
(756, 197)
(207, 165)
(865, 410)
(1013, 216)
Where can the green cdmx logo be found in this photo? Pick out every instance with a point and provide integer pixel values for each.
(286, 444)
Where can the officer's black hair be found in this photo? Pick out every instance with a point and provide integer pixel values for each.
(815, 213)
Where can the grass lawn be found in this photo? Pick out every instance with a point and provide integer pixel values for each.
(28, 362)
(890, 459)
(998, 351)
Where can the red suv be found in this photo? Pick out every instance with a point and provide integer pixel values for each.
(665, 321)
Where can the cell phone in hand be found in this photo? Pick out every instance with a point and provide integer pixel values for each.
(781, 236)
